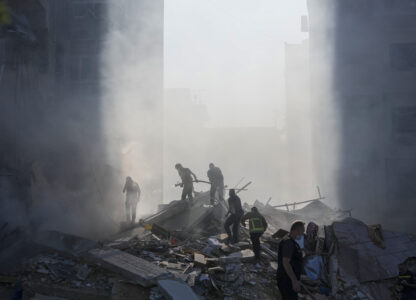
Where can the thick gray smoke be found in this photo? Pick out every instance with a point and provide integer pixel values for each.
(51, 158)
(67, 71)
(275, 153)
(132, 88)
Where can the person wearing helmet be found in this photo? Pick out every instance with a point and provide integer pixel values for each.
(132, 190)
(187, 182)
(217, 183)
(257, 226)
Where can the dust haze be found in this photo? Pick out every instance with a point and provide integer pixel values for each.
(235, 83)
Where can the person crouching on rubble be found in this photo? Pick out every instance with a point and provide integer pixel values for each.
(257, 226)
(406, 282)
(290, 263)
(235, 211)
(132, 190)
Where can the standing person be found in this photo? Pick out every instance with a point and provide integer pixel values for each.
(187, 183)
(290, 263)
(407, 282)
(257, 226)
(132, 190)
(235, 211)
(311, 238)
(217, 183)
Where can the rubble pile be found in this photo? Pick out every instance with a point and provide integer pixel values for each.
(180, 253)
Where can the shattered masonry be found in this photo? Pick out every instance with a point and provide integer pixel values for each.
(178, 254)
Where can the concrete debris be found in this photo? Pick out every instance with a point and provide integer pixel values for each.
(175, 290)
(347, 260)
(64, 243)
(199, 260)
(129, 266)
(122, 291)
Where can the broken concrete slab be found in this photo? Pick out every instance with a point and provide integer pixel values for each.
(270, 252)
(240, 256)
(229, 248)
(242, 245)
(123, 291)
(16, 247)
(60, 291)
(362, 258)
(176, 290)
(64, 243)
(129, 266)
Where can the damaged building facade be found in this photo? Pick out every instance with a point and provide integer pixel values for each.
(51, 82)
(365, 53)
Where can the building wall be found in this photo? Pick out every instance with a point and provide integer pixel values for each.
(373, 100)
(52, 105)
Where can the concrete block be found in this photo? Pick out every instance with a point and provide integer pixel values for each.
(199, 260)
(128, 266)
(176, 290)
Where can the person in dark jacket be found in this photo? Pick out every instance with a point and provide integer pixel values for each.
(217, 183)
(132, 190)
(257, 226)
(406, 282)
(290, 263)
(235, 211)
(187, 182)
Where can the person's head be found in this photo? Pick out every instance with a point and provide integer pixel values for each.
(254, 209)
(297, 228)
(402, 268)
(128, 179)
(232, 192)
(178, 167)
(211, 166)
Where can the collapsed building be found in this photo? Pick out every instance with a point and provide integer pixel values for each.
(180, 253)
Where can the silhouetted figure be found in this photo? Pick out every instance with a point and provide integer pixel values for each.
(290, 263)
(217, 183)
(187, 182)
(257, 226)
(132, 190)
(311, 238)
(406, 282)
(235, 211)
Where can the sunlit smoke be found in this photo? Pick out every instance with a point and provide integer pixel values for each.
(132, 96)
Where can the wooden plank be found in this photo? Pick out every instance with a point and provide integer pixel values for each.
(129, 266)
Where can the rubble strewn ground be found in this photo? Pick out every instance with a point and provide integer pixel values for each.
(164, 257)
